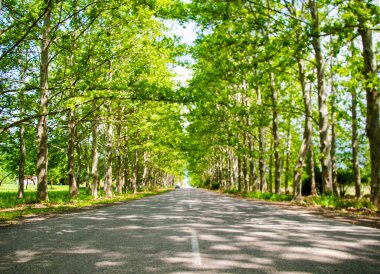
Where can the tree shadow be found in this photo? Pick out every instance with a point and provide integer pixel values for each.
(189, 231)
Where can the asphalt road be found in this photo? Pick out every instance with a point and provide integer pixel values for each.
(189, 231)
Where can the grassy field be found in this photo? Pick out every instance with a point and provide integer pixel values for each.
(59, 201)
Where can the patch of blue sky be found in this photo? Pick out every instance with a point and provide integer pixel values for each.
(187, 34)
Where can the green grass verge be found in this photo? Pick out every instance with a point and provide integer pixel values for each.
(332, 201)
(268, 196)
(342, 202)
(262, 195)
(59, 201)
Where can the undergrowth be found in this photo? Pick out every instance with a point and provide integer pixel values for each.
(268, 196)
(261, 195)
(331, 201)
(324, 201)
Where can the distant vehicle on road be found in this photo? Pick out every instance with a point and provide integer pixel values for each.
(177, 186)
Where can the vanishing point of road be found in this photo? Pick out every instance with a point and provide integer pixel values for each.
(189, 231)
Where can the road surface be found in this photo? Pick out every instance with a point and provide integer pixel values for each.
(189, 231)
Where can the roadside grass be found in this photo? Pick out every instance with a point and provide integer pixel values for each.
(261, 195)
(343, 202)
(59, 201)
(268, 196)
(333, 202)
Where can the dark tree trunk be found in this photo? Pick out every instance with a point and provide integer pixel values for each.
(42, 130)
(73, 184)
(136, 172)
(270, 175)
(355, 141)
(70, 155)
(79, 171)
(372, 123)
(252, 167)
(21, 171)
(307, 133)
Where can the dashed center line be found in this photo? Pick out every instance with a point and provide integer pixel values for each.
(197, 260)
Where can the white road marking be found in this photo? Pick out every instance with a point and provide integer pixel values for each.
(190, 206)
(197, 260)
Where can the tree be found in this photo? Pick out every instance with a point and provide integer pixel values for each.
(42, 153)
(363, 16)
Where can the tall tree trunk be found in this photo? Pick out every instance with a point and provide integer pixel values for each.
(108, 175)
(355, 144)
(70, 155)
(79, 171)
(372, 123)
(231, 180)
(288, 155)
(270, 175)
(42, 130)
(307, 133)
(21, 171)
(312, 170)
(334, 171)
(276, 137)
(146, 169)
(252, 167)
(223, 168)
(236, 171)
(245, 165)
(105, 158)
(239, 168)
(126, 178)
(71, 118)
(136, 171)
(354, 138)
(126, 162)
(87, 164)
(95, 155)
(263, 181)
(325, 141)
(119, 164)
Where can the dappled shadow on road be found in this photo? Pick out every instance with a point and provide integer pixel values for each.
(189, 231)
